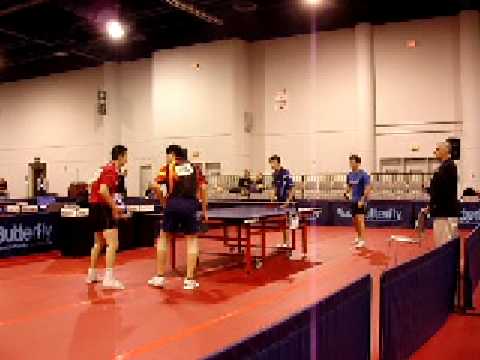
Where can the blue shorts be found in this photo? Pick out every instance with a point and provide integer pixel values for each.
(180, 216)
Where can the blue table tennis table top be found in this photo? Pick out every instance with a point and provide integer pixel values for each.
(252, 212)
(245, 213)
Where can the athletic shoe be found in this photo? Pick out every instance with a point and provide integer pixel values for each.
(355, 242)
(113, 284)
(360, 244)
(157, 281)
(92, 277)
(190, 284)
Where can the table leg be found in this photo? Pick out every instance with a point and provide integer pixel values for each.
(225, 235)
(248, 253)
(173, 252)
(239, 238)
(264, 241)
(294, 238)
(304, 240)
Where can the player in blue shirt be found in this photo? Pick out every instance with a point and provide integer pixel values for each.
(283, 188)
(282, 181)
(358, 182)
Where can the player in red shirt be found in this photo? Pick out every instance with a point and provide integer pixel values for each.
(104, 215)
(185, 186)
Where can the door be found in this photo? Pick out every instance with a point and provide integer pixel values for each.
(145, 178)
(34, 171)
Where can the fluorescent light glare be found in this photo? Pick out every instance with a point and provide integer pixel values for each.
(115, 29)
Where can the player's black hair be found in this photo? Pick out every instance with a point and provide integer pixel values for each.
(183, 154)
(174, 149)
(274, 157)
(356, 158)
(117, 151)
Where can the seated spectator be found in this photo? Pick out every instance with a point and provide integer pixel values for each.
(150, 193)
(259, 186)
(3, 188)
(245, 181)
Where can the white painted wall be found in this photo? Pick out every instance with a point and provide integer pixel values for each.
(203, 109)
(55, 119)
(318, 72)
(136, 117)
(416, 87)
(166, 100)
(257, 54)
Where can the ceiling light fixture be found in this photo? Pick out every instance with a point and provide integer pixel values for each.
(115, 29)
(191, 9)
(313, 2)
(244, 6)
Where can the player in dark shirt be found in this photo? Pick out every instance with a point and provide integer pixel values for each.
(282, 181)
(185, 186)
(104, 215)
(443, 206)
(283, 188)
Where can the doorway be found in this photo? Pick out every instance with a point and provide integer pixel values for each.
(35, 170)
(145, 178)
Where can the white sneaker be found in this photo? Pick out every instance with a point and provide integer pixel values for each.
(356, 241)
(92, 277)
(157, 281)
(360, 244)
(190, 284)
(113, 284)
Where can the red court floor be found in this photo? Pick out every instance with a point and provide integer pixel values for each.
(47, 312)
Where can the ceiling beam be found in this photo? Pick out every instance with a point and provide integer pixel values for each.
(15, 8)
(48, 44)
(193, 10)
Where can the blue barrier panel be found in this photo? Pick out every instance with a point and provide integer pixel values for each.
(416, 299)
(380, 213)
(472, 267)
(337, 327)
(469, 216)
(26, 234)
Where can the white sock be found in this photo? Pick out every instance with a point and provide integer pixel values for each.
(92, 271)
(108, 274)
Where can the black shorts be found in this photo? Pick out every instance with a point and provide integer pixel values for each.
(101, 218)
(358, 210)
(181, 216)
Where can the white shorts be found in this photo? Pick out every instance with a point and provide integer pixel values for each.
(444, 229)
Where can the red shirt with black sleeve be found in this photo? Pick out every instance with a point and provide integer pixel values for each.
(168, 176)
(108, 176)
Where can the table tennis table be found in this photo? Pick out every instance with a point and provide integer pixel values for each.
(253, 220)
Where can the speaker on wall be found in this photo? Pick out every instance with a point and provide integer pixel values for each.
(455, 144)
(102, 102)
(248, 122)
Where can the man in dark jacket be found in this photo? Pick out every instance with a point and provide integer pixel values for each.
(443, 206)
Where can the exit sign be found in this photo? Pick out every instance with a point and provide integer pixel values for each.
(411, 44)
